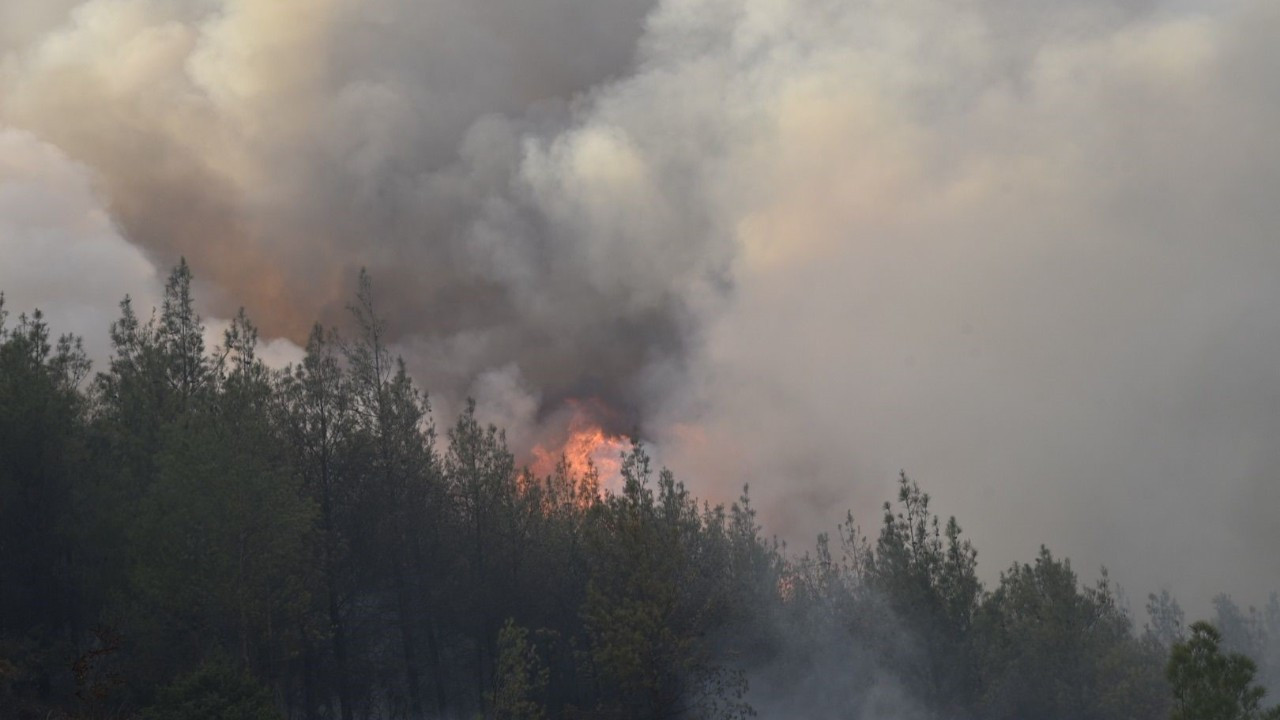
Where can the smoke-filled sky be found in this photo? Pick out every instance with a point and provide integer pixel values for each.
(1027, 250)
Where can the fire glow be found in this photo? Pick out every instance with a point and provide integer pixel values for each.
(587, 447)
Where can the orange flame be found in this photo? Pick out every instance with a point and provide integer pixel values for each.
(587, 447)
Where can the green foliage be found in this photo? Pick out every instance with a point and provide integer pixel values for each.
(1054, 650)
(214, 691)
(220, 528)
(1209, 684)
(928, 576)
(650, 600)
(42, 453)
(521, 678)
(201, 535)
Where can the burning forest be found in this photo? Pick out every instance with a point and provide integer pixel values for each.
(377, 359)
(584, 445)
(191, 531)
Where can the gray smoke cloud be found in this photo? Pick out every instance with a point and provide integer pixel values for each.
(281, 146)
(1025, 250)
(61, 252)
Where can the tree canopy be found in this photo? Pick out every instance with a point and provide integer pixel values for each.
(191, 533)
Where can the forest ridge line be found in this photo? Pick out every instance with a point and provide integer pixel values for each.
(189, 533)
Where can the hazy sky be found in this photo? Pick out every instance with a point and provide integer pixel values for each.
(1027, 250)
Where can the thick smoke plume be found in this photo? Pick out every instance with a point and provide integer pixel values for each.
(281, 146)
(1027, 250)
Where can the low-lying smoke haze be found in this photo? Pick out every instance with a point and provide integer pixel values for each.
(1025, 250)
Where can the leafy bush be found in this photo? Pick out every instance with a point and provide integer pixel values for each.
(215, 691)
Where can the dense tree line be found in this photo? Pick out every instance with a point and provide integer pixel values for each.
(189, 534)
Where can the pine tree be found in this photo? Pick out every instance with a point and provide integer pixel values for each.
(928, 576)
(1209, 684)
(45, 603)
(319, 423)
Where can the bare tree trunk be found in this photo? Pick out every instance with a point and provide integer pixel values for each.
(437, 671)
(407, 646)
(339, 641)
